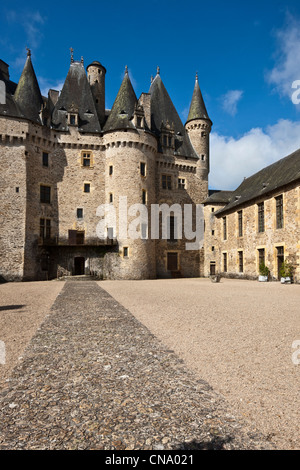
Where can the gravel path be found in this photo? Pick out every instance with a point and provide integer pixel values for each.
(94, 377)
(236, 335)
(23, 307)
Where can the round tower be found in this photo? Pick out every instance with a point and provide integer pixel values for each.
(96, 76)
(198, 127)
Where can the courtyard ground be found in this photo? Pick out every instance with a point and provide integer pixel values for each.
(235, 335)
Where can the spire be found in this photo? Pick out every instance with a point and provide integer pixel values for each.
(123, 107)
(197, 108)
(28, 95)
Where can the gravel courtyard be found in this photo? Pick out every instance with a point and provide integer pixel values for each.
(236, 335)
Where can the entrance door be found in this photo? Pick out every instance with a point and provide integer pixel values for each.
(172, 261)
(280, 259)
(79, 263)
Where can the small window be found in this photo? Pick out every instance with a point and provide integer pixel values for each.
(241, 262)
(181, 183)
(72, 120)
(45, 159)
(87, 187)
(139, 122)
(144, 197)
(212, 248)
(261, 256)
(79, 213)
(279, 212)
(224, 228)
(110, 233)
(172, 229)
(125, 252)
(111, 198)
(144, 231)
(45, 228)
(111, 170)
(143, 169)
(45, 194)
(213, 232)
(17, 189)
(240, 223)
(203, 158)
(166, 182)
(86, 159)
(213, 209)
(261, 217)
(225, 262)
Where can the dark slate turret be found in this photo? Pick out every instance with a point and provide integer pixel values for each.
(164, 115)
(197, 108)
(8, 107)
(123, 107)
(76, 99)
(28, 95)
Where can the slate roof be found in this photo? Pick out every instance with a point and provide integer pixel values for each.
(123, 107)
(197, 108)
(28, 95)
(219, 197)
(163, 111)
(267, 180)
(10, 108)
(76, 95)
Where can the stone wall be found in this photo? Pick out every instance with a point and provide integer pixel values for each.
(287, 237)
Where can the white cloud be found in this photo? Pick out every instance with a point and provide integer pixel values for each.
(46, 85)
(233, 159)
(287, 58)
(230, 101)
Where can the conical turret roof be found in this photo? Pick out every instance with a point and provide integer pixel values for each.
(28, 95)
(76, 96)
(123, 107)
(197, 108)
(163, 111)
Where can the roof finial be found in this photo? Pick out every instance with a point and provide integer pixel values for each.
(126, 70)
(158, 70)
(197, 76)
(28, 52)
(72, 54)
(151, 79)
(82, 60)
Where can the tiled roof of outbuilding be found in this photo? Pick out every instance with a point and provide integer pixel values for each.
(266, 181)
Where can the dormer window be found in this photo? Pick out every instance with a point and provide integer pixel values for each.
(73, 119)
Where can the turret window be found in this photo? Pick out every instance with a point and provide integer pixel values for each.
(181, 183)
(166, 181)
(87, 188)
(143, 169)
(86, 159)
(45, 159)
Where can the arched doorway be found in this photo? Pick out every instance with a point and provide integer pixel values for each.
(79, 264)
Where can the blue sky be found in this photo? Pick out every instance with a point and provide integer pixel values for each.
(247, 55)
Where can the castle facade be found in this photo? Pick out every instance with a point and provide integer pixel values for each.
(65, 155)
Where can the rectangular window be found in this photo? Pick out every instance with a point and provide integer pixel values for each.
(261, 217)
(144, 197)
(110, 233)
(143, 169)
(79, 213)
(181, 183)
(224, 228)
(111, 170)
(261, 256)
(225, 262)
(241, 262)
(45, 194)
(86, 159)
(72, 119)
(279, 211)
(87, 187)
(166, 181)
(45, 159)
(79, 238)
(240, 223)
(125, 252)
(111, 198)
(144, 231)
(172, 229)
(76, 237)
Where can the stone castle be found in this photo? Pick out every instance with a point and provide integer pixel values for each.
(64, 155)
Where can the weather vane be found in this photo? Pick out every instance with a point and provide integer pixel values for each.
(72, 54)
